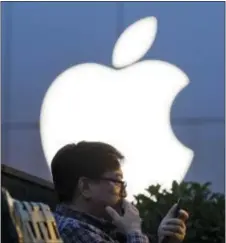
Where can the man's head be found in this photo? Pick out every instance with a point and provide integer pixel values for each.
(88, 171)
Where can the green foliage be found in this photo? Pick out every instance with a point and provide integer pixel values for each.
(206, 210)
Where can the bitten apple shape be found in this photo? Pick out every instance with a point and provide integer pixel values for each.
(127, 106)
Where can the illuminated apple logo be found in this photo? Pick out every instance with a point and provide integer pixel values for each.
(127, 106)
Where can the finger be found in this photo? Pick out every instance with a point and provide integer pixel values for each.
(133, 208)
(177, 222)
(126, 203)
(174, 229)
(179, 237)
(114, 215)
(183, 215)
(129, 207)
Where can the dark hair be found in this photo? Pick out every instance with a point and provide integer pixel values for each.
(88, 159)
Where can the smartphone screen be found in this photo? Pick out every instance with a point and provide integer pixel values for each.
(176, 214)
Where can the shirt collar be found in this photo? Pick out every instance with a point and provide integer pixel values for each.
(101, 223)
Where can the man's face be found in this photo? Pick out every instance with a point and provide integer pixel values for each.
(109, 190)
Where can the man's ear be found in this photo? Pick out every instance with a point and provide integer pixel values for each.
(84, 187)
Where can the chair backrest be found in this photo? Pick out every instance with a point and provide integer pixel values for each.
(9, 233)
(34, 222)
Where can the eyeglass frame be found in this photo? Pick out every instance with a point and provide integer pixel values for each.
(123, 183)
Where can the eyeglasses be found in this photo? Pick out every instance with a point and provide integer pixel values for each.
(120, 183)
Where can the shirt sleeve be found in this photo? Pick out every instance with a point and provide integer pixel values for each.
(136, 237)
(81, 235)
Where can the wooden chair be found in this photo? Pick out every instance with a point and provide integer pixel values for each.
(33, 222)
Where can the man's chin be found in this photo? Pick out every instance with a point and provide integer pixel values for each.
(117, 206)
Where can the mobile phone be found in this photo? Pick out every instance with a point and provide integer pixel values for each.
(177, 210)
(176, 214)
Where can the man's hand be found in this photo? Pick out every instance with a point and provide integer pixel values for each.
(172, 227)
(129, 222)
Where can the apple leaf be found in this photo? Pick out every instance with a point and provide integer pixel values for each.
(134, 42)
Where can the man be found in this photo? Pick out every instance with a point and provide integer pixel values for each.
(89, 182)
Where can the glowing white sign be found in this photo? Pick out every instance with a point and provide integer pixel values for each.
(128, 107)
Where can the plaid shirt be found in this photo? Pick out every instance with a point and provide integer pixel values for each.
(77, 227)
